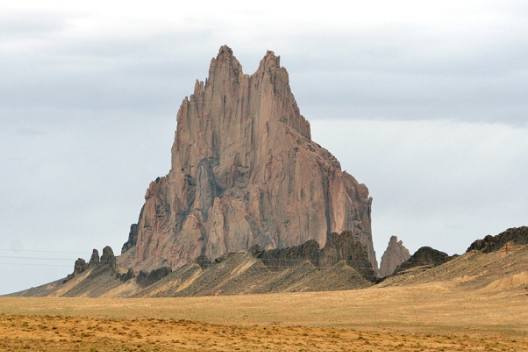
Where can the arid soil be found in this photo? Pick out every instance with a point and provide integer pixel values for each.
(429, 317)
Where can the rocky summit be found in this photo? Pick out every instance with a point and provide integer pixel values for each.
(244, 172)
(423, 257)
(516, 235)
(394, 255)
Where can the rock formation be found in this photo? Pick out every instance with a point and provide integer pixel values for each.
(94, 259)
(345, 247)
(146, 279)
(80, 266)
(517, 235)
(394, 255)
(244, 172)
(108, 258)
(425, 256)
(132, 238)
(348, 247)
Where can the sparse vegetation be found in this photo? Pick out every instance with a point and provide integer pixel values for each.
(428, 317)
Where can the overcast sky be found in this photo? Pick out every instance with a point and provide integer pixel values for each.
(424, 101)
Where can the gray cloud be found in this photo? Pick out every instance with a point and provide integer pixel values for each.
(439, 183)
(345, 76)
(23, 25)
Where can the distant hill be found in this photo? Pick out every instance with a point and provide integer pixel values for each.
(494, 263)
(342, 264)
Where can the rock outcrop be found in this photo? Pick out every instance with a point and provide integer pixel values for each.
(516, 235)
(425, 256)
(132, 238)
(94, 259)
(394, 255)
(108, 258)
(283, 258)
(245, 172)
(345, 247)
(146, 279)
(341, 265)
(349, 248)
(80, 266)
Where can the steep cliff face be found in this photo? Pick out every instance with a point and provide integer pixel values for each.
(394, 255)
(245, 172)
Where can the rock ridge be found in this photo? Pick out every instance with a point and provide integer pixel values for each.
(345, 247)
(515, 235)
(424, 257)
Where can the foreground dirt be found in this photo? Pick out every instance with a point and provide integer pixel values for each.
(420, 318)
(47, 333)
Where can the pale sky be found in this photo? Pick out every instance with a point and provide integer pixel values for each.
(424, 101)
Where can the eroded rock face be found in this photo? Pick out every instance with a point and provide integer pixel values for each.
(425, 256)
(394, 255)
(94, 259)
(283, 258)
(516, 235)
(245, 172)
(348, 246)
(80, 266)
(339, 248)
(146, 279)
(108, 257)
(132, 238)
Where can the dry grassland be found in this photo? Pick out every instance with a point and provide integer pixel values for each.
(419, 318)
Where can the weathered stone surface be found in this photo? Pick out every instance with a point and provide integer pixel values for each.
(394, 255)
(126, 276)
(203, 261)
(94, 259)
(348, 247)
(79, 266)
(283, 258)
(345, 247)
(516, 235)
(425, 256)
(132, 238)
(148, 278)
(108, 258)
(245, 172)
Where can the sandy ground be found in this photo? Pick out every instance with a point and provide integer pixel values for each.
(419, 318)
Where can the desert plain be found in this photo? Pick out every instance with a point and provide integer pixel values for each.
(426, 317)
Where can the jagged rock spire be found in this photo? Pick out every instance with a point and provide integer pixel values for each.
(245, 172)
(394, 255)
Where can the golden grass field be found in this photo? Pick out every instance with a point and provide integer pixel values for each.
(430, 317)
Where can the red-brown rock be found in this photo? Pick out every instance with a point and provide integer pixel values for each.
(394, 255)
(245, 172)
